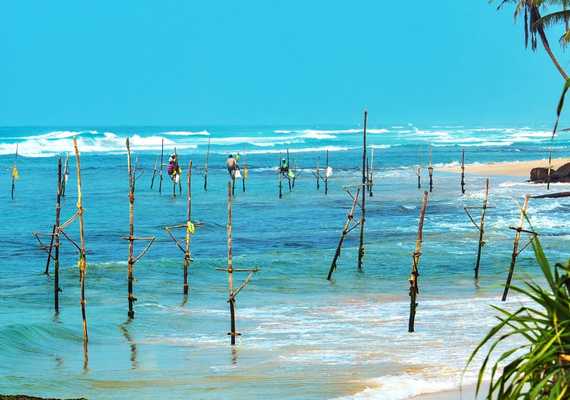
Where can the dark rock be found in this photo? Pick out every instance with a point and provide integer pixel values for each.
(539, 175)
(564, 171)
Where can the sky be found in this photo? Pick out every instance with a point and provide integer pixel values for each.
(266, 62)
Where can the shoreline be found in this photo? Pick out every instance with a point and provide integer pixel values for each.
(507, 168)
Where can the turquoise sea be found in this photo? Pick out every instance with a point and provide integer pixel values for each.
(303, 337)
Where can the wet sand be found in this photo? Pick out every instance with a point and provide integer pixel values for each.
(467, 393)
(516, 168)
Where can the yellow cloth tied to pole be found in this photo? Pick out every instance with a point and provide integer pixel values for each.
(15, 173)
(190, 227)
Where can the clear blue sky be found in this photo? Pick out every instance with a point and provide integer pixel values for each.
(157, 62)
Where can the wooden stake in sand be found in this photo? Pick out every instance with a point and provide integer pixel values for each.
(463, 172)
(15, 174)
(516, 250)
(363, 198)
(349, 225)
(206, 167)
(430, 172)
(232, 293)
(480, 227)
(414, 288)
(189, 229)
(132, 260)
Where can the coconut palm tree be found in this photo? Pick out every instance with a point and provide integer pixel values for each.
(535, 24)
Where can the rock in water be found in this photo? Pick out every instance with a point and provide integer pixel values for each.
(540, 175)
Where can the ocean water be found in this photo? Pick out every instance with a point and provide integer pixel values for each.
(302, 336)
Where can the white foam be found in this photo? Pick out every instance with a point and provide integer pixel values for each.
(186, 133)
(405, 386)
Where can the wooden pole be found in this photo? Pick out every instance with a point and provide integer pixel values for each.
(482, 229)
(414, 289)
(82, 251)
(161, 166)
(363, 198)
(345, 230)
(206, 167)
(56, 239)
(14, 173)
(430, 172)
(189, 226)
(463, 172)
(231, 298)
(516, 251)
(326, 173)
(131, 259)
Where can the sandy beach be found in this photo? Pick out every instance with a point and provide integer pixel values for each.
(515, 168)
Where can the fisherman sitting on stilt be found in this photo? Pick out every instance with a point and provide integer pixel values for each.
(173, 168)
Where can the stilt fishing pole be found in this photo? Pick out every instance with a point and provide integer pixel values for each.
(363, 197)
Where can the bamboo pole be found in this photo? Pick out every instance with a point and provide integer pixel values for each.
(363, 198)
(161, 166)
(419, 169)
(345, 230)
(516, 251)
(15, 173)
(463, 171)
(82, 251)
(482, 230)
(414, 288)
(206, 167)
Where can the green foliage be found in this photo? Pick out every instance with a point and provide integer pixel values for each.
(539, 368)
